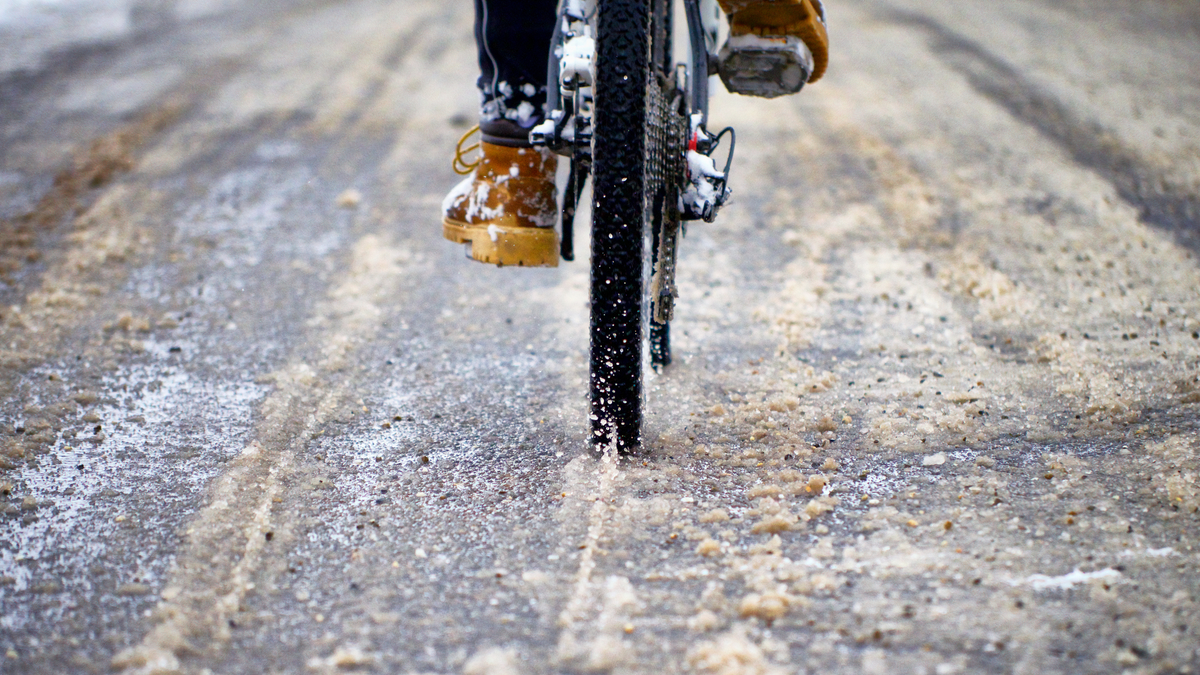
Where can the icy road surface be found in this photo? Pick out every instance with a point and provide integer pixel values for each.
(934, 409)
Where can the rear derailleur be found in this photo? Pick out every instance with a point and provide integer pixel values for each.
(706, 188)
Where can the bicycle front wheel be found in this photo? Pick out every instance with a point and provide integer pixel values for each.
(619, 269)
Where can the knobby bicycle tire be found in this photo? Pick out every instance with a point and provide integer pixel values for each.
(635, 134)
(618, 247)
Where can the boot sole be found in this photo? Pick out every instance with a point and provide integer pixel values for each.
(506, 245)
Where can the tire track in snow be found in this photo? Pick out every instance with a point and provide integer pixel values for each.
(226, 541)
(585, 637)
(1037, 256)
(1161, 199)
(594, 611)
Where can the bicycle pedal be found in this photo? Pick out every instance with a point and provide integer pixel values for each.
(767, 67)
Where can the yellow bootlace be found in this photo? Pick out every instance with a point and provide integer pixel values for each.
(460, 165)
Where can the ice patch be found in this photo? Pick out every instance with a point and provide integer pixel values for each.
(242, 212)
(130, 455)
(32, 29)
(273, 150)
(195, 9)
(119, 94)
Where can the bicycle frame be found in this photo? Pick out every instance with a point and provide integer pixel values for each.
(567, 129)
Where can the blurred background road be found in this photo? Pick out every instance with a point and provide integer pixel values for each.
(934, 407)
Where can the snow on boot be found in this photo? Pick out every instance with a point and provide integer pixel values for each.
(506, 208)
(774, 46)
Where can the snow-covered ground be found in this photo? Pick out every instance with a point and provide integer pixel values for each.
(32, 30)
(934, 406)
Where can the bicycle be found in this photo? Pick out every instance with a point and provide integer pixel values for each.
(635, 121)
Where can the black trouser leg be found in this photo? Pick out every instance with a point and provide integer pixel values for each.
(513, 37)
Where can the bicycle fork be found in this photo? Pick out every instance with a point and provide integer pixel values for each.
(567, 130)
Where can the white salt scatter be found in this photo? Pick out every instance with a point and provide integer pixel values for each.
(1041, 582)
(936, 459)
(1160, 552)
(525, 112)
(492, 661)
(459, 193)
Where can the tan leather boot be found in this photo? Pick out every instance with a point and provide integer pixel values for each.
(506, 208)
(777, 19)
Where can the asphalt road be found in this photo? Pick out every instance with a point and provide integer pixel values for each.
(934, 408)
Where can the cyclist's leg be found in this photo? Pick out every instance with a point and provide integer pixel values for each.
(507, 207)
(513, 39)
